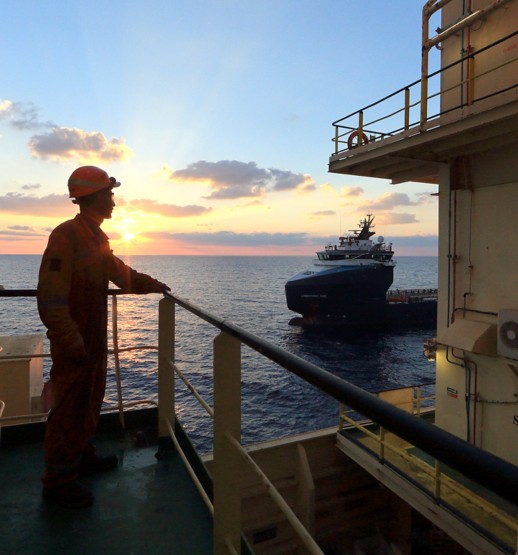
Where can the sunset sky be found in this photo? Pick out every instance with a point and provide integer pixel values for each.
(216, 116)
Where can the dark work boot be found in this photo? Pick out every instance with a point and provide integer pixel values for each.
(91, 465)
(72, 495)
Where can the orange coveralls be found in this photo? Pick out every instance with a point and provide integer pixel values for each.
(72, 301)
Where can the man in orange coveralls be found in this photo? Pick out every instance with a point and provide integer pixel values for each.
(72, 301)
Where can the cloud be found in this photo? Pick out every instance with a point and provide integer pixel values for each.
(62, 143)
(168, 210)
(284, 180)
(231, 179)
(14, 233)
(320, 213)
(309, 187)
(351, 191)
(232, 239)
(65, 143)
(427, 244)
(415, 241)
(21, 227)
(22, 116)
(256, 202)
(387, 201)
(30, 187)
(396, 218)
(327, 188)
(28, 205)
(60, 205)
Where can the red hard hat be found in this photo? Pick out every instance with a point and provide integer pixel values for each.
(87, 180)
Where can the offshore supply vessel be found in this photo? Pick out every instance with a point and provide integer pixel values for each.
(394, 476)
(353, 273)
(348, 285)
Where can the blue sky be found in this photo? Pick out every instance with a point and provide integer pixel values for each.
(216, 116)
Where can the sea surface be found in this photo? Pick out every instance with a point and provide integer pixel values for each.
(249, 291)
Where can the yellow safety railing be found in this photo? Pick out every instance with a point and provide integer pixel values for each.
(432, 476)
(416, 106)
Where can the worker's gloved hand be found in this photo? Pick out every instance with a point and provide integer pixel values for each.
(159, 287)
(164, 287)
(76, 351)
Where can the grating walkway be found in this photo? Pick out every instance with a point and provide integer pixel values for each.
(145, 506)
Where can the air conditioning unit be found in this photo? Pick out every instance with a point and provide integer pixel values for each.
(507, 340)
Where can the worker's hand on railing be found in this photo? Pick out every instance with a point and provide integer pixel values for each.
(158, 287)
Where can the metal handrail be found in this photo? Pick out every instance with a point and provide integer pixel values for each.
(482, 467)
(436, 474)
(121, 405)
(488, 470)
(208, 409)
(188, 466)
(359, 114)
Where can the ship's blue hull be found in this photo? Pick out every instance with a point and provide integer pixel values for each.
(341, 292)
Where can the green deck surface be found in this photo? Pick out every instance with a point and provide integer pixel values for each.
(146, 506)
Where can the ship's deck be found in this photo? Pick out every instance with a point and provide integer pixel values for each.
(145, 506)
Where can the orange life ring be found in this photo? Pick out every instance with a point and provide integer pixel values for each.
(363, 139)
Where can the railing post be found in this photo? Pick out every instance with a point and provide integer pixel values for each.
(337, 136)
(437, 484)
(360, 127)
(227, 461)
(382, 445)
(471, 80)
(407, 108)
(305, 493)
(166, 337)
(424, 67)
(115, 340)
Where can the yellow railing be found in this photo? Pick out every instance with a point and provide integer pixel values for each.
(414, 106)
(431, 476)
(410, 399)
